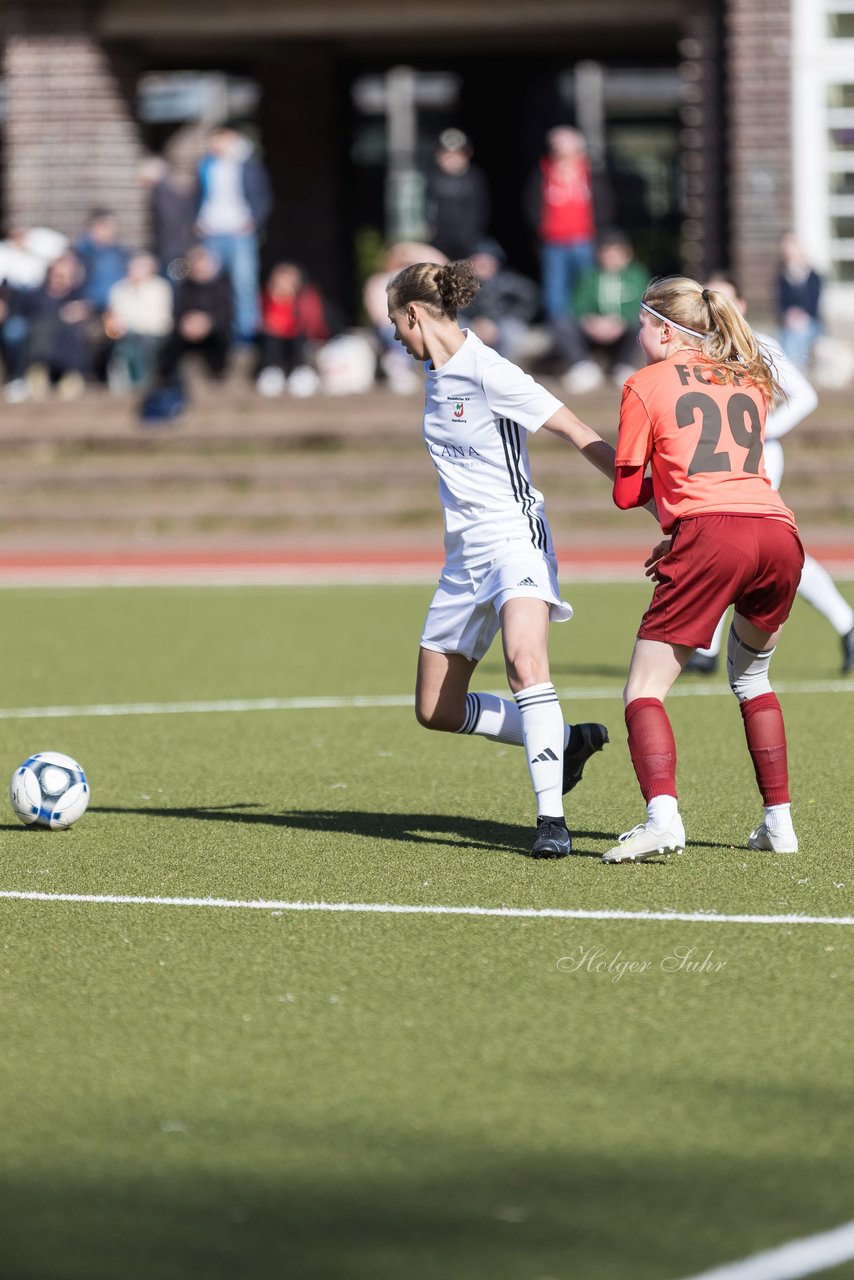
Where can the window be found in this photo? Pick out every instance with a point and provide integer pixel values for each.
(840, 26)
(842, 183)
(842, 228)
(842, 139)
(840, 97)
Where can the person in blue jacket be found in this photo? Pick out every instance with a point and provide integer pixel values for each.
(234, 200)
(104, 258)
(799, 288)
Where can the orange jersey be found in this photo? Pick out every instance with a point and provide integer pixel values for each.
(703, 431)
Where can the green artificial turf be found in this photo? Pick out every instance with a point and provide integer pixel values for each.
(217, 1092)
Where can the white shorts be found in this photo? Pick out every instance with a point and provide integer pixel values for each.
(463, 616)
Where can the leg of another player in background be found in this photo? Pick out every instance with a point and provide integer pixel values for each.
(749, 653)
(705, 661)
(816, 585)
(818, 589)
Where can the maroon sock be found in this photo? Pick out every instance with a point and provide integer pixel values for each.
(652, 747)
(766, 742)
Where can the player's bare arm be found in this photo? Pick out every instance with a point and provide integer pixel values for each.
(588, 442)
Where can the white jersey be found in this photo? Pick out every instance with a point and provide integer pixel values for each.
(478, 409)
(800, 401)
(800, 394)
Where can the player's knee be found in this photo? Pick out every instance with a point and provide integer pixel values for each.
(747, 668)
(438, 718)
(524, 670)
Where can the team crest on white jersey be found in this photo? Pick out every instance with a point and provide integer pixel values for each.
(460, 404)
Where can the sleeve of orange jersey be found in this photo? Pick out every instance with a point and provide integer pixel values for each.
(633, 449)
(634, 444)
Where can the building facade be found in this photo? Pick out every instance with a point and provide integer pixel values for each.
(724, 123)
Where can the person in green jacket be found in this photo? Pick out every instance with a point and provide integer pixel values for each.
(605, 308)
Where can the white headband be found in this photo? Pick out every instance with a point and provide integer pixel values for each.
(681, 327)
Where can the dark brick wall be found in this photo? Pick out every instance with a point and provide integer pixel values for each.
(71, 142)
(705, 231)
(758, 50)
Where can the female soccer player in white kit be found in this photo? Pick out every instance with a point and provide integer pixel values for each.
(500, 570)
(816, 585)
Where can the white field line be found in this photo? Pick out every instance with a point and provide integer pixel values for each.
(806, 1257)
(427, 909)
(369, 701)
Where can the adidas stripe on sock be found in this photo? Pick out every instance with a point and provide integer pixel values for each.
(499, 719)
(544, 733)
(492, 717)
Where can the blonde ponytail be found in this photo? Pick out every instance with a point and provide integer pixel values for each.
(721, 332)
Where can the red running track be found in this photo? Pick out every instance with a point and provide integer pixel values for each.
(320, 563)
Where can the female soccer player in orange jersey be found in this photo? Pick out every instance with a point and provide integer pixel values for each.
(696, 413)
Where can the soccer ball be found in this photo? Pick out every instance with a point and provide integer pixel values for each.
(49, 790)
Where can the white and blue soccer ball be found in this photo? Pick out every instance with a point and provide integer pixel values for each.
(49, 790)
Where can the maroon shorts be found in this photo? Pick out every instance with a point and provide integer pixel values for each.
(753, 562)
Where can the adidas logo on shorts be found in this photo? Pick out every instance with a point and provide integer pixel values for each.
(526, 582)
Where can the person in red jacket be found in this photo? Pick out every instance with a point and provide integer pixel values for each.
(696, 415)
(561, 207)
(292, 316)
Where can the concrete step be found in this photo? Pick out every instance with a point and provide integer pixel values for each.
(308, 469)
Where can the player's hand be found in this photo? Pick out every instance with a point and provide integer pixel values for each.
(659, 551)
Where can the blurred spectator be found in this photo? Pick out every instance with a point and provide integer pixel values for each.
(504, 306)
(292, 317)
(233, 203)
(137, 320)
(564, 204)
(203, 313)
(170, 212)
(798, 297)
(14, 329)
(26, 253)
(58, 345)
(604, 317)
(457, 197)
(104, 259)
(396, 366)
(24, 258)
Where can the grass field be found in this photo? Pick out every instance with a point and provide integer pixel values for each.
(201, 1091)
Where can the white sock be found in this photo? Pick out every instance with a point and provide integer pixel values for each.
(498, 719)
(661, 810)
(818, 589)
(778, 819)
(544, 732)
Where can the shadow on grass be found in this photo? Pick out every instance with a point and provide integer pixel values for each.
(453, 830)
(589, 1218)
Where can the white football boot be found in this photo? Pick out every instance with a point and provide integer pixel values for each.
(646, 841)
(773, 841)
